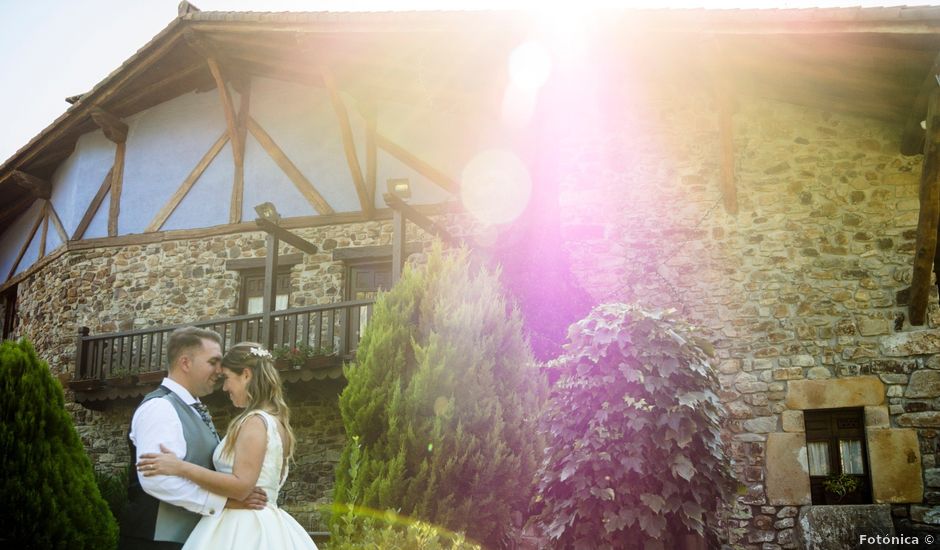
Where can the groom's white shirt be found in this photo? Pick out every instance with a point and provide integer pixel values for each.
(156, 423)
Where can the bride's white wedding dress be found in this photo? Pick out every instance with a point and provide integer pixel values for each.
(253, 529)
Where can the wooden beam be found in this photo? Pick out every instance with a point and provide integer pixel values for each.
(440, 178)
(57, 223)
(297, 242)
(371, 156)
(729, 191)
(168, 82)
(912, 140)
(38, 187)
(303, 185)
(352, 160)
(286, 260)
(371, 253)
(93, 206)
(29, 239)
(269, 298)
(926, 242)
(16, 207)
(228, 107)
(398, 244)
(114, 129)
(298, 222)
(45, 229)
(117, 182)
(238, 186)
(420, 219)
(164, 214)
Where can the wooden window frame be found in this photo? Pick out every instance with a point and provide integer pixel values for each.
(823, 425)
(351, 266)
(254, 273)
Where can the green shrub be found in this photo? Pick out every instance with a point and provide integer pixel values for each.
(48, 487)
(113, 489)
(393, 533)
(440, 410)
(634, 451)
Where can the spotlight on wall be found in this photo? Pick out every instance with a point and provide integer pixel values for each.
(267, 211)
(400, 187)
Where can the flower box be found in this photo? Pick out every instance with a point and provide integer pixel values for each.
(318, 362)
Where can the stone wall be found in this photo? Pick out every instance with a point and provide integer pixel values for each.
(802, 284)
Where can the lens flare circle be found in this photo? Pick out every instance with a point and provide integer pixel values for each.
(529, 66)
(495, 187)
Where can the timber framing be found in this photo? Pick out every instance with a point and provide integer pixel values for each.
(912, 140)
(164, 214)
(93, 206)
(284, 235)
(280, 158)
(39, 188)
(366, 200)
(113, 127)
(424, 168)
(926, 243)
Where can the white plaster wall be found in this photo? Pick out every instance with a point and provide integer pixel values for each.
(164, 143)
(11, 242)
(77, 180)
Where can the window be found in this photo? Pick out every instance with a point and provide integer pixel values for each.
(835, 445)
(8, 319)
(366, 280)
(252, 291)
(363, 282)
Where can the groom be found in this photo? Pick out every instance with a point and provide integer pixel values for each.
(163, 510)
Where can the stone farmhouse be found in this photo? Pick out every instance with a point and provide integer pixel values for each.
(772, 174)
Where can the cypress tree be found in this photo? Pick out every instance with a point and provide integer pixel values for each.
(441, 408)
(47, 488)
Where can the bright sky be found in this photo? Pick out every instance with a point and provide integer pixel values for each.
(51, 49)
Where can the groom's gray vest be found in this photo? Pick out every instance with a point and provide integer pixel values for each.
(148, 518)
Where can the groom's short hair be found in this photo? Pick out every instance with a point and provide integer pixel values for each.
(184, 339)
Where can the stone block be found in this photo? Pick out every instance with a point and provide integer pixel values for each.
(932, 476)
(924, 383)
(926, 514)
(835, 393)
(831, 527)
(802, 361)
(818, 373)
(761, 425)
(793, 421)
(926, 419)
(922, 342)
(787, 470)
(877, 417)
(874, 327)
(894, 457)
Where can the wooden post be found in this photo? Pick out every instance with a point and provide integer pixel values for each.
(80, 352)
(398, 245)
(926, 244)
(270, 292)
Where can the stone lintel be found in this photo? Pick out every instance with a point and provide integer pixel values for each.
(787, 470)
(858, 391)
(894, 457)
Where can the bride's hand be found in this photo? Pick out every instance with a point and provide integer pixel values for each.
(164, 463)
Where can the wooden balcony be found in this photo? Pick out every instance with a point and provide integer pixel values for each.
(127, 364)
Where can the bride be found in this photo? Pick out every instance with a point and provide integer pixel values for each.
(254, 452)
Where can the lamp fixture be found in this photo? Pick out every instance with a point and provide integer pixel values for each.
(400, 187)
(267, 211)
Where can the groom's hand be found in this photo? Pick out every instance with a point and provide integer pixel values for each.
(257, 500)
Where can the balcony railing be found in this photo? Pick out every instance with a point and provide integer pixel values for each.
(334, 328)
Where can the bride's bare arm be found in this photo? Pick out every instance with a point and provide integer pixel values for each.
(250, 447)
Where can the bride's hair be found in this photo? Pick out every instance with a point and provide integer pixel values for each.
(265, 391)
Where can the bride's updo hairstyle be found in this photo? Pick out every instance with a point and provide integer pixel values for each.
(265, 391)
